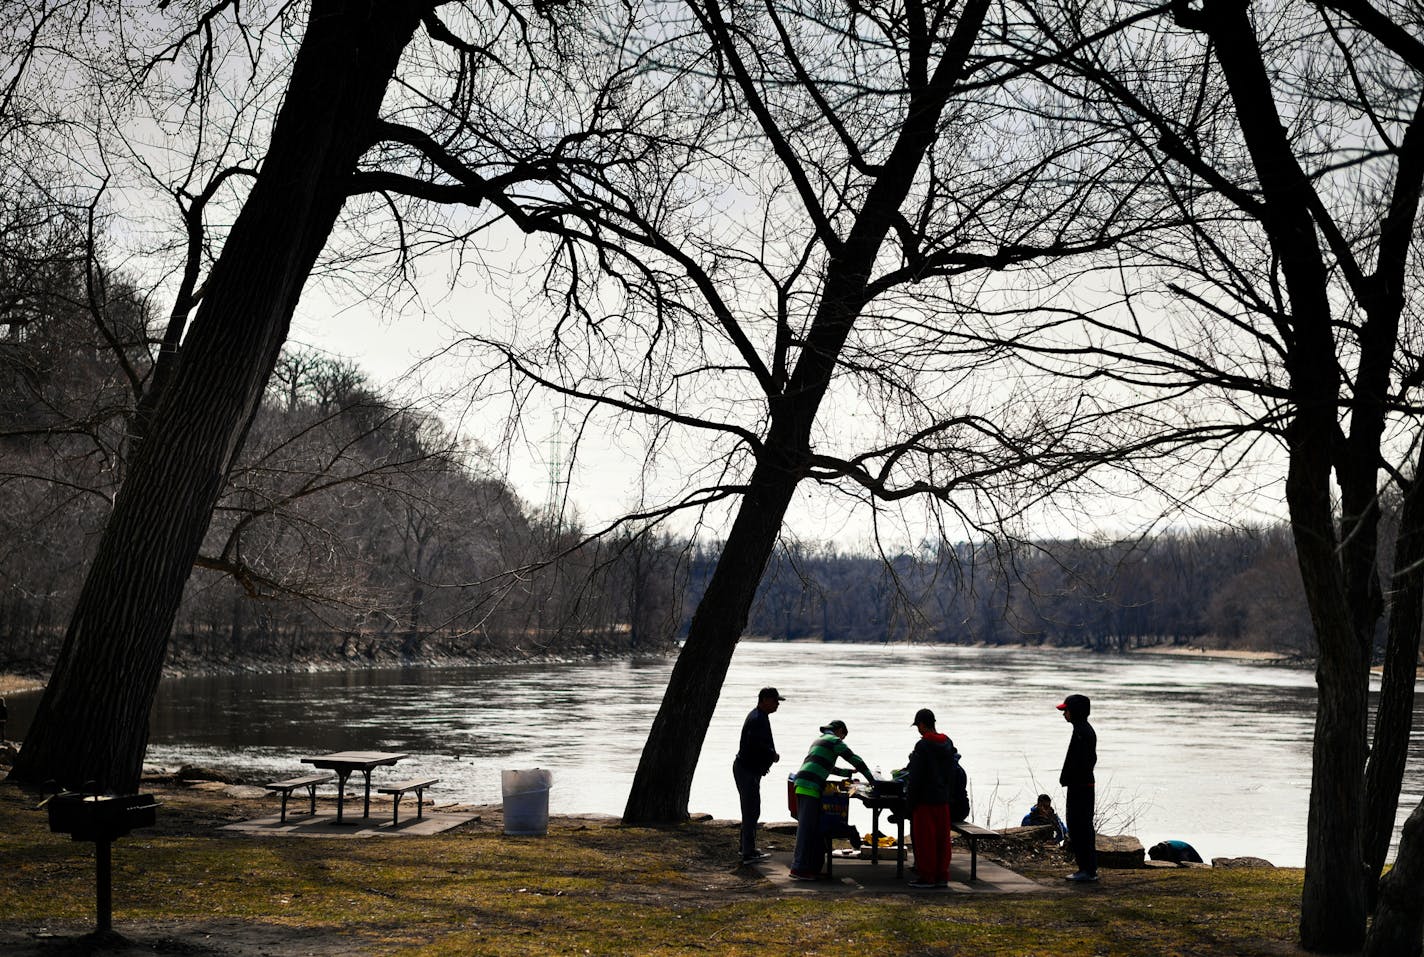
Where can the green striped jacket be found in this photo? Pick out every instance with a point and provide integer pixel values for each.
(820, 762)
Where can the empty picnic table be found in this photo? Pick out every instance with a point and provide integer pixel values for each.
(344, 762)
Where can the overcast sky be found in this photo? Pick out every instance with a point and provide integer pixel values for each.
(403, 352)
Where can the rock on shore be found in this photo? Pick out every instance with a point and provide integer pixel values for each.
(1120, 851)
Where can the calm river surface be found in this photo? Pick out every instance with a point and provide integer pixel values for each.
(1212, 752)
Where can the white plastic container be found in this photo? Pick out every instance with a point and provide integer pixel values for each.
(526, 801)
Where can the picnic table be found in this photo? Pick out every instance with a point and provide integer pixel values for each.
(344, 762)
(899, 810)
(894, 803)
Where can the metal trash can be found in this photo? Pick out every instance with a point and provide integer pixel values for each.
(526, 801)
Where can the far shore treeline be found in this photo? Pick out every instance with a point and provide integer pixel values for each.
(356, 529)
(1227, 588)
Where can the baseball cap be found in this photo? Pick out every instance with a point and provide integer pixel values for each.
(1076, 703)
(770, 693)
(838, 726)
(924, 716)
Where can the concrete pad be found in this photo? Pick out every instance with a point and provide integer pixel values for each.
(854, 876)
(324, 824)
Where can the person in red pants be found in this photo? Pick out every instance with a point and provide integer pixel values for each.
(927, 794)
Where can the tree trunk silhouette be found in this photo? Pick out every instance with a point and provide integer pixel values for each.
(92, 721)
(664, 778)
(1398, 927)
(1337, 572)
(1394, 715)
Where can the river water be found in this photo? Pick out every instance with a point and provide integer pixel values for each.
(1212, 752)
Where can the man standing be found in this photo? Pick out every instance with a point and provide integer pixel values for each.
(820, 763)
(755, 756)
(927, 794)
(1077, 777)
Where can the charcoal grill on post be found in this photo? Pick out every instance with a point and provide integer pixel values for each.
(103, 819)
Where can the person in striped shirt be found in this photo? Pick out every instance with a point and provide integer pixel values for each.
(820, 764)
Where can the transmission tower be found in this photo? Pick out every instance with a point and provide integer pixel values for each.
(554, 507)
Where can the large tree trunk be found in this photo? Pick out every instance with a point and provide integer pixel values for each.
(1333, 899)
(1338, 576)
(1398, 926)
(92, 722)
(1394, 716)
(669, 758)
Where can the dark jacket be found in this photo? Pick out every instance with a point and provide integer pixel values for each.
(1037, 817)
(757, 750)
(1082, 756)
(929, 770)
(1178, 851)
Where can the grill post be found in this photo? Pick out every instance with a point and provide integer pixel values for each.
(104, 887)
(102, 819)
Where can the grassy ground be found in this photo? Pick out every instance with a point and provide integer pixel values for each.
(588, 888)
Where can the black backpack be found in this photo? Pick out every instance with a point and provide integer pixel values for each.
(958, 790)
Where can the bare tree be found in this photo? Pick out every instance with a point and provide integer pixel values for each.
(344, 127)
(1289, 137)
(70, 330)
(800, 268)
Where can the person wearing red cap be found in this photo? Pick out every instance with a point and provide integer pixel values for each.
(1077, 778)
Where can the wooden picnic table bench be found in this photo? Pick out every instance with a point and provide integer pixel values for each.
(345, 762)
(309, 782)
(399, 790)
(972, 833)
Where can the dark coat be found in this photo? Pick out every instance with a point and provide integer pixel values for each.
(1082, 756)
(931, 764)
(757, 751)
(1178, 851)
